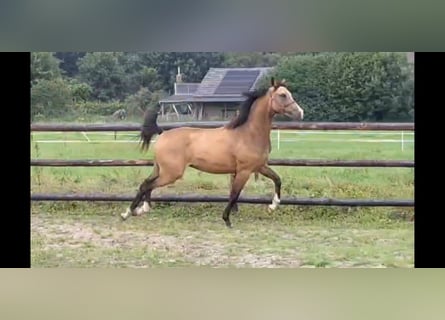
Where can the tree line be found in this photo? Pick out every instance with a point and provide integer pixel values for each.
(330, 86)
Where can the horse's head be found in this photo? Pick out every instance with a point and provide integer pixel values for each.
(282, 102)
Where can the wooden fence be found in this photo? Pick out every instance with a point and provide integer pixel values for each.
(202, 198)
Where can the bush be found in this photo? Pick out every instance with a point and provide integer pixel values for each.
(86, 108)
(137, 103)
(50, 98)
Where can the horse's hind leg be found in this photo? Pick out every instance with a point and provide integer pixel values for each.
(161, 176)
(235, 205)
(238, 184)
(232, 177)
(147, 196)
(146, 185)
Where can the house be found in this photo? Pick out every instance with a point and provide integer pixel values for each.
(217, 97)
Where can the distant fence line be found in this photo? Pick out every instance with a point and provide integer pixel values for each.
(215, 124)
(272, 162)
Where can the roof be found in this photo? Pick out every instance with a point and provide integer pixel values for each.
(219, 85)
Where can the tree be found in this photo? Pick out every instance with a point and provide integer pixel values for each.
(137, 103)
(44, 66)
(104, 72)
(68, 62)
(193, 65)
(350, 86)
(251, 59)
(150, 79)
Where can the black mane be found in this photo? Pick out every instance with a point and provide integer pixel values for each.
(244, 109)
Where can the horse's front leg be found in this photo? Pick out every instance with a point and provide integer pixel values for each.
(269, 173)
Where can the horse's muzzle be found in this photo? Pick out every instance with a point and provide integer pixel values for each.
(296, 113)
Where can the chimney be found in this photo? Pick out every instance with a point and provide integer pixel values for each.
(179, 76)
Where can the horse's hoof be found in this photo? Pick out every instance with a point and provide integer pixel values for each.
(126, 214)
(138, 212)
(145, 208)
(275, 202)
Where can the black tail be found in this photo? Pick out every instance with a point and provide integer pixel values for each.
(149, 127)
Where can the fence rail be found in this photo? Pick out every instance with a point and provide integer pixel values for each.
(272, 162)
(291, 125)
(202, 198)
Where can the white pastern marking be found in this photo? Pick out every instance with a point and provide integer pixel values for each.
(275, 202)
(126, 214)
(146, 207)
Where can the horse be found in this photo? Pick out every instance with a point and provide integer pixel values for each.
(239, 148)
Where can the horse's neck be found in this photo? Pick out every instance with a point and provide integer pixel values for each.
(260, 120)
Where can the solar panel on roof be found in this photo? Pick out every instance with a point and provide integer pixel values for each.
(237, 81)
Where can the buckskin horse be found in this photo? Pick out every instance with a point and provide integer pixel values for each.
(239, 148)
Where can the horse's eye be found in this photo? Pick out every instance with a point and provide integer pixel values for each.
(283, 95)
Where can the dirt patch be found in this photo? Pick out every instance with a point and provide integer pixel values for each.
(60, 234)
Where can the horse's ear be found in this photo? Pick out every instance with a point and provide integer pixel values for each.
(274, 83)
(283, 81)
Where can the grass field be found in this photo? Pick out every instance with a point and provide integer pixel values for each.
(79, 234)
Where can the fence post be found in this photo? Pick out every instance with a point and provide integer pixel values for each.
(278, 138)
(402, 142)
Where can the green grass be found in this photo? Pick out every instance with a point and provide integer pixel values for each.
(75, 234)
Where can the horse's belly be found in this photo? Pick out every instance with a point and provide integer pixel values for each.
(210, 151)
(213, 165)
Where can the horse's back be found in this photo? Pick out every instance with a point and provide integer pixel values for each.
(191, 138)
(209, 150)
